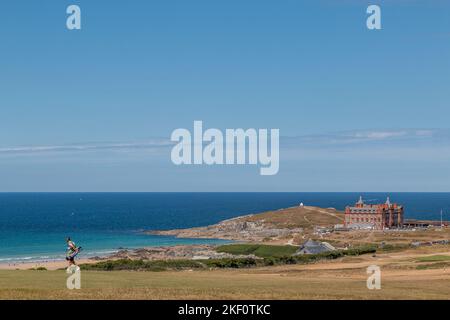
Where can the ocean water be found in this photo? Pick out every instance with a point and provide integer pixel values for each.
(33, 226)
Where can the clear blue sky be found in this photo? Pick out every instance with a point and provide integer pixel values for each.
(139, 69)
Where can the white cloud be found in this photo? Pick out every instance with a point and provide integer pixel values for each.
(380, 134)
(401, 139)
(80, 147)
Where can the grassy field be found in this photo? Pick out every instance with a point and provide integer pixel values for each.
(344, 278)
(390, 237)
(286, 283)
(434, 258)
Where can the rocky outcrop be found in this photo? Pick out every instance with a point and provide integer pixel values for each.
(275, 225)
(234, 229)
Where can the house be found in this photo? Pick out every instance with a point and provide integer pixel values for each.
(374, 216)
(314, 247)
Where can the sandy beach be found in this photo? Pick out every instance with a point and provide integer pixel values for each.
(49, 265)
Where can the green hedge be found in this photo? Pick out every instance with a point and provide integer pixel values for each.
(259, 250)
(178, 264)
(156, 265)
(231, 263)
(308, 258)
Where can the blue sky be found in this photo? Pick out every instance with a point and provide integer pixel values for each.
(140, 69)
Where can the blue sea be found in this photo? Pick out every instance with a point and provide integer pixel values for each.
(33, 226)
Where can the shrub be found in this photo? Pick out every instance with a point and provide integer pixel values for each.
(361, 250)
(231, 263)
(259, 250)
(180, 264)
(41, 269)
(37, 269)
(156, 265)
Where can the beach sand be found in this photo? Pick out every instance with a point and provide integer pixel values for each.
(49, 265)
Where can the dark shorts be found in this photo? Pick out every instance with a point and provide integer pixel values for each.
(72, 256)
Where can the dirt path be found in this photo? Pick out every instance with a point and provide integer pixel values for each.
(330, 214)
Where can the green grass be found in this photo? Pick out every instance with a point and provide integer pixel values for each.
(259, 250)
(436, 258)
(436, 265)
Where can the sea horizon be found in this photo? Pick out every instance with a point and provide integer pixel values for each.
(33, 225)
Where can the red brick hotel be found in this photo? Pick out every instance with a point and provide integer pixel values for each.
(374, 216)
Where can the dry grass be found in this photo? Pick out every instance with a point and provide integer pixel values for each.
(299, 217)
(390, 237)
(341, 279)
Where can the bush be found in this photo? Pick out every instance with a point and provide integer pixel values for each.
(38, 269)
(180, 264)
(259, 250)
(392, 247)
(361, 250)
(156, 265)
(231, 263)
